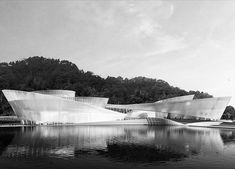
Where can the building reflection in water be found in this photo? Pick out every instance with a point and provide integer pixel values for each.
(125, 143)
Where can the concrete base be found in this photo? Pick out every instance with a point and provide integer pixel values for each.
(204, 124)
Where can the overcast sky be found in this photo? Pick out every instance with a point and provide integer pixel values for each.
(188, 43)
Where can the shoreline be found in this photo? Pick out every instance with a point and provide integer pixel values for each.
(222, 126)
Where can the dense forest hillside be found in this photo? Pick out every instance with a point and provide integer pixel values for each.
(39, 73)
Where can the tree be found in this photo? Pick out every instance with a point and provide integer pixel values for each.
(229, 113)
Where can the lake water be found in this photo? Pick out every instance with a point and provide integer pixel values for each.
(116, 147)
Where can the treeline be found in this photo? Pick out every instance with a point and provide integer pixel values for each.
(39, 73)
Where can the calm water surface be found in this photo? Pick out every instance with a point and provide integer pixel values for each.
(116, 147)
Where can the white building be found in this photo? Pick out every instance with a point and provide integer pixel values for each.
(62, 107)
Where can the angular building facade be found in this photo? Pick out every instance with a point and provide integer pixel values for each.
(59, 107)
(209, 108)
(62, 107)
